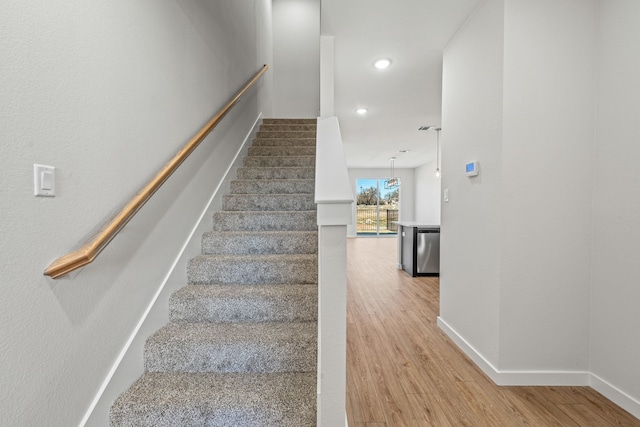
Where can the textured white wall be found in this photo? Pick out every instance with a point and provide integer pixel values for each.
(614, 338)
(520, 103)
(427, 194)
(470, 239)
(555, 139)
(327, 72)
(264, 44)
(549, 57)
(296, 58)
(107, 93)
(407, 191)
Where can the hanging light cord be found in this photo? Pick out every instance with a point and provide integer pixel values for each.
(437, 153)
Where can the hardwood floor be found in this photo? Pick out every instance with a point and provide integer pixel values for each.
(402, 370)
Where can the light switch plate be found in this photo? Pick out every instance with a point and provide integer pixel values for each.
(44, 180)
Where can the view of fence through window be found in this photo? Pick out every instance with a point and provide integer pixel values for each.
(377, 206)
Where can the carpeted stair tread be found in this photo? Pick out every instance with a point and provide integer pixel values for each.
(284, 142)
(245, 303)
(289, 121)
(253, 269)
(233, 347)
(273, 186)
(221, 400)
(277, 173)
(284, 161)
(286, 134)
(242, 343)
(268, 202)
(288, 126)
(265, 220)
(259, 242)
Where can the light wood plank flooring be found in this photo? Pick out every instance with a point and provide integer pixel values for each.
(402, 370)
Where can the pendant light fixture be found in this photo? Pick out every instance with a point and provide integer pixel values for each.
(437, 173)
(437, 129)
(392, 182)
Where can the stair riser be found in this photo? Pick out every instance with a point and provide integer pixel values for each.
(276, 173)
(225, 348)
(259, 243)
(268, 202)
(220, 269)
(284, 142)
(287, 162)
(286, 134)
(234, 303)
(290, 121)
(289, 186)
(265, 221)
(282, 151)
(288, 127)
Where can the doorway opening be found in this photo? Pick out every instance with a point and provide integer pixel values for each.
(377, 206)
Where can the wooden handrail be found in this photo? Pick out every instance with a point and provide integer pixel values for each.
(90, 250)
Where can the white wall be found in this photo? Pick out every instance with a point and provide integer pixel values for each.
(407, 191)
(107, 98)
(553, 214)
(130, 366)
(264, 44)
(427, 194)
(529, 124)
(327, 74)
(470, 239)
(549, 58)
(296, 58)
(614, 338)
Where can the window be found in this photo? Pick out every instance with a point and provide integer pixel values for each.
(377, 206)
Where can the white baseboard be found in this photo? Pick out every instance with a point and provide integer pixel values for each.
(543, 378)
(549, 378)
(477, 358)
(123, 370)
(615, 395)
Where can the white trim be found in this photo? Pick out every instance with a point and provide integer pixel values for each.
(332, 324)
(334, 213)
(543, 378)
(134, 334)
(517, 378)
(332, 177)
(333, 197)
(477, 358)
(616, 395)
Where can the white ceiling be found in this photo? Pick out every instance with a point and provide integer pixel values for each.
(405, 96)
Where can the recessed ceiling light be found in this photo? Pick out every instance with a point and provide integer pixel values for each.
(361, 111)
(382, 63)
(404, 151)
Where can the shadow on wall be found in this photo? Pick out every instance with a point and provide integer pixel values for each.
(131, 254)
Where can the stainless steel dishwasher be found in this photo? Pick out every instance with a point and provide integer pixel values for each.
(428, 251)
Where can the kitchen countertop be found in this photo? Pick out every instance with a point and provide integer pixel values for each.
(415, 224)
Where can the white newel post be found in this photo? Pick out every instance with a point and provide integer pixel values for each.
(334, 199)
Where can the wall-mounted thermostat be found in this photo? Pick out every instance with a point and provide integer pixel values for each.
(472, 168)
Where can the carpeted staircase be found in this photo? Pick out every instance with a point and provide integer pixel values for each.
(241, 348)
